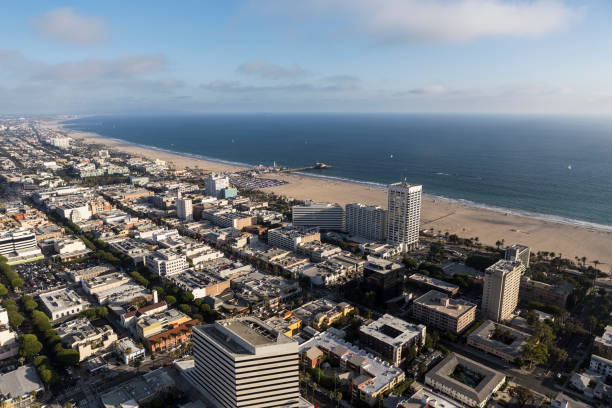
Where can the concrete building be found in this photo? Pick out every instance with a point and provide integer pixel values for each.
(325, 216)
(62, 302)
(229, 218)
(499, 340)
(166, 262)
(318, 251)
(321, 313)
(200, 283)
(391, 338)
(433, 283)
(383, 276)
(452, 377)
(404, 215)
(518, 252)
(500, 291)
(245, 363)
(19, 244)
(88, 273)
(123, 294)
(602, 345)
(371, 376)
(291, 237)
(104, 282)
(601, 365)
(129, 351)
(148, 326)
(555, 294)
(436, 309)
(18, 388)
(366, 221)
(9, 346)
(79, 334)
(184, 209)
(215, 183)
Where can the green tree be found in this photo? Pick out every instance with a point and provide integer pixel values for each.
(15, 319)
(3, 290)
(29, 345)
(68, 357)
(170, 300)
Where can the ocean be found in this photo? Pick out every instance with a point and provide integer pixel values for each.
(551, 167)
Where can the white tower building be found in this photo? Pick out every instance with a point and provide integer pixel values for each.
(404, 215)
(366, 221)
(500, 291)
(184, 209)
(246, 363)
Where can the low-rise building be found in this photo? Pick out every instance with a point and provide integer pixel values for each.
(88, 273)
(104, 282)
(464, 380)
(555, 294)
(62, 302)
(18, 388)
(391, 338)
(171, 338)
(166, 262)
(129, 351)
(371, 376)
(290, 237)
(123, 294)
(9, 346)
(256, 287)
(321, 313)
(602, 345)
(288, 324)
(601, 365)
(138, 390)
(136, 249)
(129, 315)
(200, 283)
(433, 283)
(70, 248)
(318, 251)
(79, 334)
(438, 310)
(148, 326)
(499, 340)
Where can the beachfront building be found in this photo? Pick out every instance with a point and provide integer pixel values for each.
(518, 252)
(184, 209)
(552, 294)
(366, 221)
(404, 215)
(246, 363)
(391, 338)
(215, 183)
(500, 291)
(325, 216)
(436, 309)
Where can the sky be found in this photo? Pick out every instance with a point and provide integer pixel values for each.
(451, 56)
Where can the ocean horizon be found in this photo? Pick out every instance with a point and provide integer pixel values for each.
(546, 167)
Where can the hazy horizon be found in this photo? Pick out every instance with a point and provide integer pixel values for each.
(269, 56)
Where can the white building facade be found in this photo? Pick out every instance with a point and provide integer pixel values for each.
(366, 221)
(404, 215)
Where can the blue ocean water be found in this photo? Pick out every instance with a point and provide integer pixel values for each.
(547, 166)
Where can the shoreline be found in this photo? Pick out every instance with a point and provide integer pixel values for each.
(467, 219)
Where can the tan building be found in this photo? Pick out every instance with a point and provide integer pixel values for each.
(555, 294)
(438, 310)
(500, 291)
(149, 326)
(79, 334)
(322, 312)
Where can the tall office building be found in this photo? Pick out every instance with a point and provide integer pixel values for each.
(404, 215)
(366, 221)
(215, 183)
(500, 291)
(323, 215)
(246, 363)
(184, 209)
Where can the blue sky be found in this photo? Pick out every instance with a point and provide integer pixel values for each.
(481, 56)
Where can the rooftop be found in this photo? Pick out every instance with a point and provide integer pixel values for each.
(485, 334)
(21, 381)
(392, 330)
(447, 287)
(606, 337)
(443, 304)
(504, 267)
(442, 373)
(61, 299)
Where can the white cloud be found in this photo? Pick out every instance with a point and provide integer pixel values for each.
(64, 24)
(397, 21)
(268, 70)
(104, 68)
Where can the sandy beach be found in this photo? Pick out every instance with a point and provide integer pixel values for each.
(440, 215)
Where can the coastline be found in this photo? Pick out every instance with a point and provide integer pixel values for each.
(562, 236)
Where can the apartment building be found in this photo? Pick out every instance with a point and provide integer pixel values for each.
(404, 217)
(500, 291)
(366, 221)
(436, 309)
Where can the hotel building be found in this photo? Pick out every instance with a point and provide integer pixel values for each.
(366, 221)
(404, 215)
(500, 291)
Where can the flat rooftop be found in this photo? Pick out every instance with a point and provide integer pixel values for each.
(393, 330)
(606, 337)
(504, 267)
(443, 304)
(447, 287)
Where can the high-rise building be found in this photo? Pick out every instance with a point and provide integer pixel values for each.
(518, 252)
(366, 221)
(215, 183)
(246, 363)
(323, 215)
(404, 215)
(184, 209)
(500, 291)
